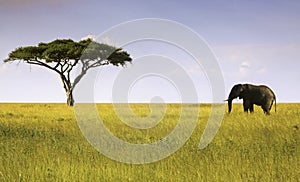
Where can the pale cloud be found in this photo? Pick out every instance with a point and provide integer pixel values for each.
(90, 36)
(105, 40)
(245, 66)
(257, 53)
(109, 41)
(257, 58)
(244, 69)
(275, 65)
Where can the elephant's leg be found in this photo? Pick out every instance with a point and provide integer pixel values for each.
(267, 107)
(267, 112)
(246, 105)
(251, 108)
(271, 106)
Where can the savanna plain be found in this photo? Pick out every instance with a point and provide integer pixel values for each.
(42, 142)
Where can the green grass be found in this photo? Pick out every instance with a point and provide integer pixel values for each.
(42, 142)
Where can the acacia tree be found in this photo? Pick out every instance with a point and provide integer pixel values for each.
(63, 55)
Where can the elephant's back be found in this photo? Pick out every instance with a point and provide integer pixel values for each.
(267, 91)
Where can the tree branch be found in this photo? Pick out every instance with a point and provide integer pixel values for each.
(99, 63)
(37, 62)
(69, 71)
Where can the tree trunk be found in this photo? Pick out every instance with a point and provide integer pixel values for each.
(70, 99)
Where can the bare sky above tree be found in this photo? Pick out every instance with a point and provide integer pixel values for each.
(255, 42)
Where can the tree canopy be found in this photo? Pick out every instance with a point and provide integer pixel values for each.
(62, 55)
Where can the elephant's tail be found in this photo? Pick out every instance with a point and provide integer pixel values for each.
(275, 103)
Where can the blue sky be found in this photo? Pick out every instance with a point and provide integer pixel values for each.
(255, 42)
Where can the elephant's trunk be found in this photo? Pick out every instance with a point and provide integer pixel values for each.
(231, 96)
(229, 105)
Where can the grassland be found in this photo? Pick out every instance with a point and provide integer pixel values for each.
(42, 142)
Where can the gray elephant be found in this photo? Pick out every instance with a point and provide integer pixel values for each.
(252, 94)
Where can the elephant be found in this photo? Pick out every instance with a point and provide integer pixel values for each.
(260, 95)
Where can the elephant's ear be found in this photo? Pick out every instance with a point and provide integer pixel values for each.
(241, 88)
(244, 87)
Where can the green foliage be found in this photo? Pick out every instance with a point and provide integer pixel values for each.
(61, 50)
(25, 53)
(42, 142)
